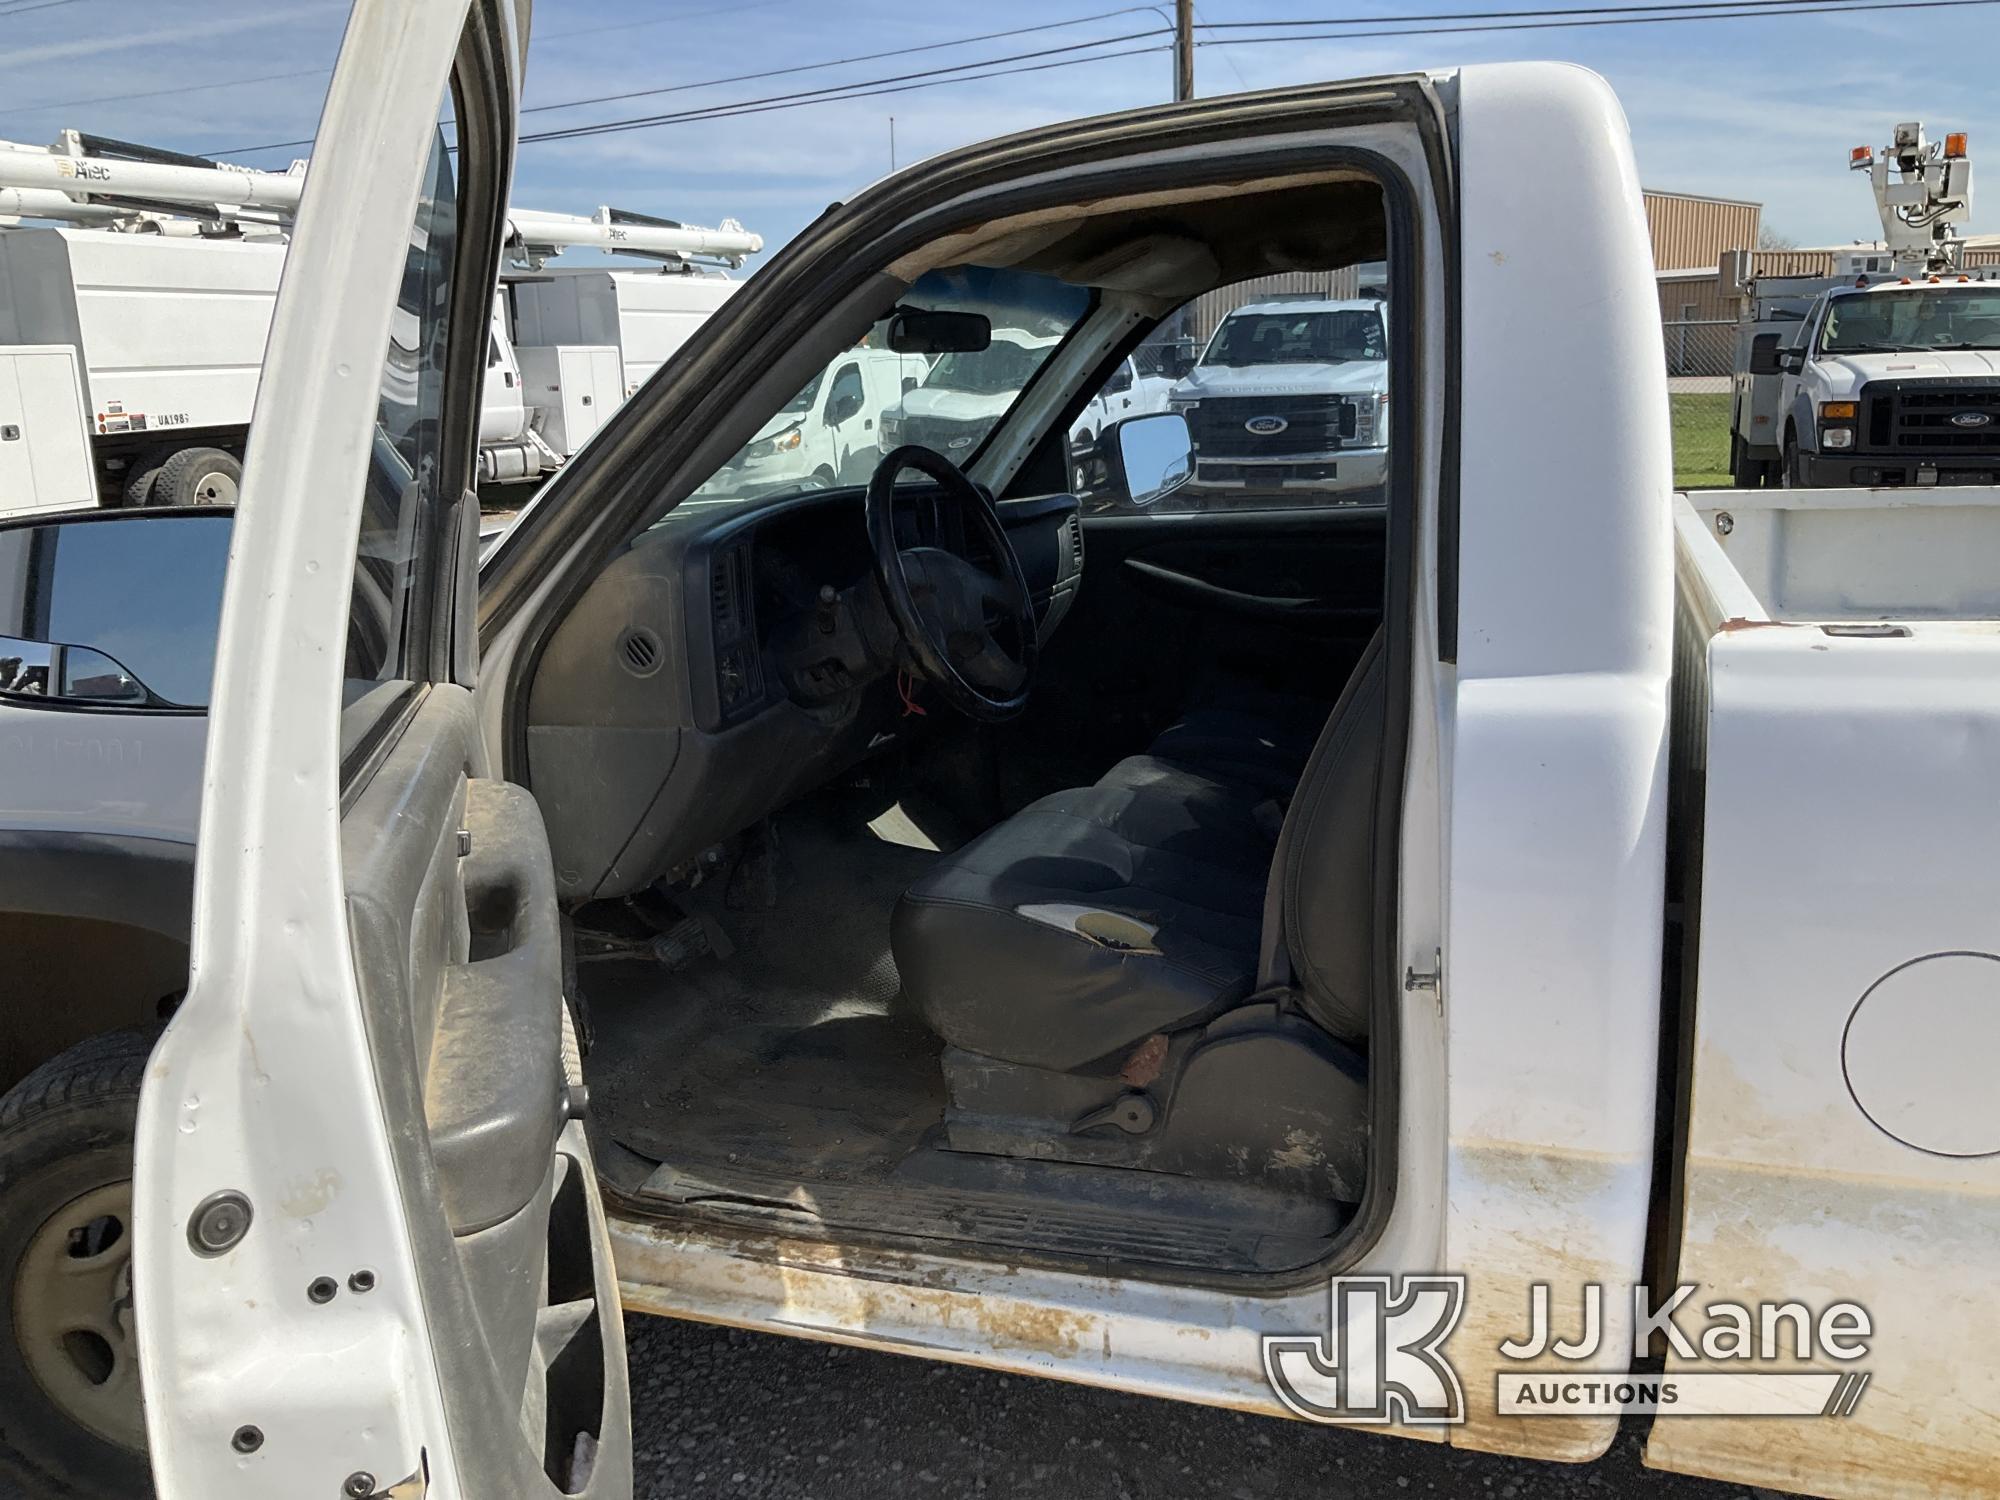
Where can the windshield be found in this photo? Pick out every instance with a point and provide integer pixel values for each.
(1297, 338)
(1922, 318)
(880, 399)
(1000, 369)
(800, 404)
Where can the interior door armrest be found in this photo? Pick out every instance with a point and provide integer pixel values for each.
(495, 1097)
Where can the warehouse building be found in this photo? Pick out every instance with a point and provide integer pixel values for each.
(1692, 235)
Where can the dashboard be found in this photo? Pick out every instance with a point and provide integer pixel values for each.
(730, 659)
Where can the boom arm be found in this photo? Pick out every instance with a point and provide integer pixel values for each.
(1928, 198)
(65, 182)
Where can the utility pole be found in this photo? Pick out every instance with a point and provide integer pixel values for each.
(1183, 49)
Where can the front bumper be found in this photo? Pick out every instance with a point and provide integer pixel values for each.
(1890, 470)
(1342, 469)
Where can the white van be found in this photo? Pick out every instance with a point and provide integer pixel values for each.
(832, 432)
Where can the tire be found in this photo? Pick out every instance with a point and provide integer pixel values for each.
(139, 483)
(1745, 472)
(197, 476)
(66, 1430)
(1788, 477)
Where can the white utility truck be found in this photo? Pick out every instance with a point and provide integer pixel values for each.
(132, 325)
(1293, 391)
(1315, 1059)
(1884, 373)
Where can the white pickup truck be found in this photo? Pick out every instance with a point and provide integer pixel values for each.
(1291, 392)
(1892, 384)
(1285, 1030)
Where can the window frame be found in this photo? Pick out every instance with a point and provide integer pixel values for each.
(445, 557)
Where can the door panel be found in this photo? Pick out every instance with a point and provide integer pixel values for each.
(459, 960)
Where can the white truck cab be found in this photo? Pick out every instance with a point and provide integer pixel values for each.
(1897, 383)
(1203, 1051)
(1129, 392)
(1293, 391)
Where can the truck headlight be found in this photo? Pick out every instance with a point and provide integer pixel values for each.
(1836, 423)
(1837, 437)
(785, 442)
(1371, 420)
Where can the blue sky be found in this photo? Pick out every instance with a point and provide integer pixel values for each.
(1762, 108)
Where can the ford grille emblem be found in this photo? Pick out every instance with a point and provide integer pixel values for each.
(1266, 426)
(1971, 419)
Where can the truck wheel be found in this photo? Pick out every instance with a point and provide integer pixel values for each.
(1789, 477)
(139, 483)
(1745, 472)
(197, 476)
(71, 1424)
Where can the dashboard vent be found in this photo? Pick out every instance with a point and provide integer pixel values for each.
(640, 651)
(722, 585)
(729, 593)
(1076, 542)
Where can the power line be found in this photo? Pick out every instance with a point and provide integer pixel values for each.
(839, 62)
(1738, 10)
(839, 90)
(730, 112)
(1606, 15)
(223, 83)
(1498, 15)
(186, 88)
(1536, 19)
(836, 62)
(23, 9)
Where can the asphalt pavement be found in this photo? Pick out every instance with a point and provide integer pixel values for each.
(721, 1412)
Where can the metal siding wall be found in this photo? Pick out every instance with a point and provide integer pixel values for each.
(1210, 308)
(1689, 232)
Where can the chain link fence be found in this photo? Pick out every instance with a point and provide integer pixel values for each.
(1700, 348)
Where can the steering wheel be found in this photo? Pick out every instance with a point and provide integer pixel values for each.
(969, 627)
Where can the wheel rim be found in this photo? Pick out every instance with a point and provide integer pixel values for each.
(73, 1314)
(215, 487)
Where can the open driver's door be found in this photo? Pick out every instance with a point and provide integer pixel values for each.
(370, 1257)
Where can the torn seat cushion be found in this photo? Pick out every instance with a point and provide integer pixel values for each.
(1088, 921)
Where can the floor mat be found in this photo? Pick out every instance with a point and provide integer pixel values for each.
(794, 1054)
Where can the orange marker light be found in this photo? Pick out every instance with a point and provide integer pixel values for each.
(1860, 156)
(1954, 144)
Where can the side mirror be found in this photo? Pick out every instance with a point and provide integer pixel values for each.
(1155, 453)
(1764, 354)
(112, 609)
(1791, 361)
(913, 330)
(910, 383)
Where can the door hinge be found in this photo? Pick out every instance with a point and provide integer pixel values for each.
(1431, 979)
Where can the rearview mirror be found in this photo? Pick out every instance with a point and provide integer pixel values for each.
(1791, 361)
(914, 330)
(112, 609)
(1156, 454)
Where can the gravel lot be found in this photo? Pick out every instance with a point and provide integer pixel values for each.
(722, 1412)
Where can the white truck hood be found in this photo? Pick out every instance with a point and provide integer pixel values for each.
(1845, 374)
(1346, 377)
(955, 406)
